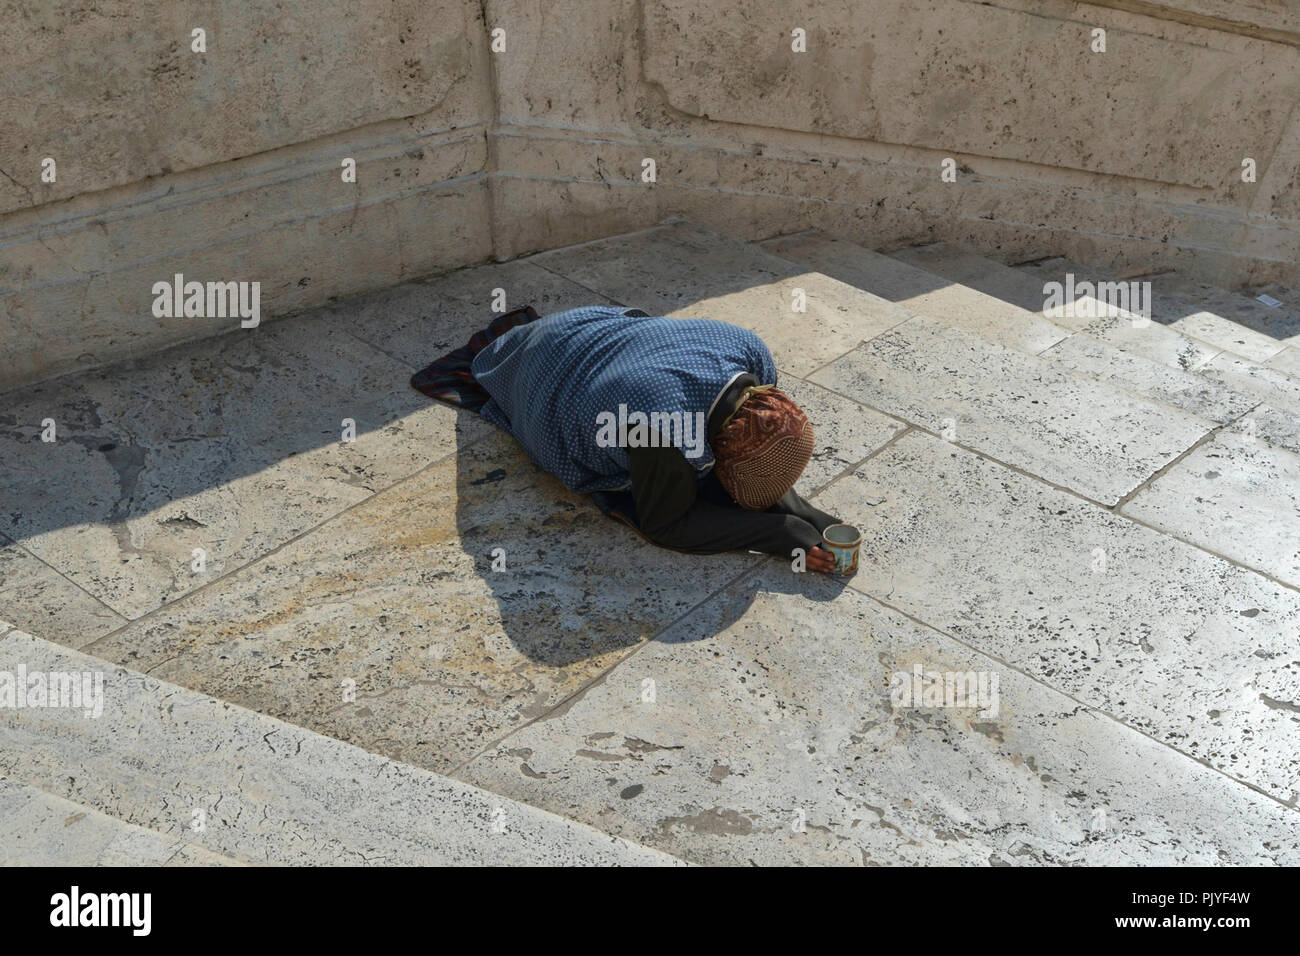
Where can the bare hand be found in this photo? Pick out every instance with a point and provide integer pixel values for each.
(819, 559)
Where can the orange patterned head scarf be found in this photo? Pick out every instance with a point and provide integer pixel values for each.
(763, 448)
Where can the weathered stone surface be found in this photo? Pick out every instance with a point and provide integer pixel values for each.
(1168, 639)
(589, 185)
(1081, 354)
(179, 161)
(233, 446)
(920, 291)
(1139, 341)
(1153, 341)
(39, 829)
(269, 792)
(1271, 386)
(42, 601)
(772, 738)
(460, 668)
(1279, 322)
(1086, 435)
(965, 266)
(1027, 286)
(684, 271)
(1287, 361)
(418, 322)
(1224, 333)
(1236, 496)
(1183, 315)
(80, 294)
(938, 73)
(398, 599)
(1279, 429)
(270, 76)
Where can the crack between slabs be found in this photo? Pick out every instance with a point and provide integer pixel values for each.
(1169, 465)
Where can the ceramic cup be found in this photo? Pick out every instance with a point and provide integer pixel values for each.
(843, 541)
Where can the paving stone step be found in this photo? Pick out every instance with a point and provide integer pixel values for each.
(681, 270)
(1288, 361)
(772, 738)
(1272, 386)
(1181, 314)
(235, 444)
(1159, 367)
(965, 266)
(1081, 354)
(399, 592)
(1160, 343)
(39, 599)
(529, 679)
(268, 792)
(404, 595)
(1086, 435)
(919, 291)
(1175, 642)
(1277, 322)
(40, 829)
(399, 596)
(1235, 495)
(1275, 383)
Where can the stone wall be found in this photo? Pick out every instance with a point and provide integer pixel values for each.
(225, 165)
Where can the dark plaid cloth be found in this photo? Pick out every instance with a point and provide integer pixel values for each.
(450, 380)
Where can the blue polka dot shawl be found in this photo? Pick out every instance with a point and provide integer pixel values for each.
(549, 382)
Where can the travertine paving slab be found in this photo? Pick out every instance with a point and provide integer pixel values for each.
(965, 266)
(397, 602)
(920, 291)
(1224, 333)
(774, 739)
(844, 432)
(1086, 435)
(267, 792)
(1027, 286)
(1183, 315)
(1236, 496)
(1279, 429)
(231, 446)
(1146, 338)
(1153, 341)
(39, 599)
(1081, 354)
(1288, 361)
(686, 272)
(1244, 309)
(39, 829)
(1182, 645)
(1269, 385)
